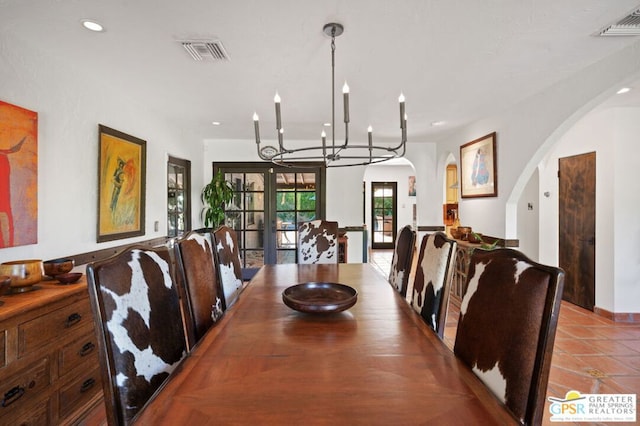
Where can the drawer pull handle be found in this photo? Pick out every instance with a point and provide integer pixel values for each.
(88, 384)
(73, 319)
(12, 396)
(86, 349)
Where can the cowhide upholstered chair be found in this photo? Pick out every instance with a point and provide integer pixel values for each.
(402, 258)
(507, 327)
(198, 280)
(138, 321)
(228, 263)
(318, 242)
(431, 286)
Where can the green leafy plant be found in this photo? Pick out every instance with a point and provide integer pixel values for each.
(215, 196)
(484, 245)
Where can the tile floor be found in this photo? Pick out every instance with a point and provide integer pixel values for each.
(591, 354)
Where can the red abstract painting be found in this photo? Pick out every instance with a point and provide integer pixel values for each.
(18, 176)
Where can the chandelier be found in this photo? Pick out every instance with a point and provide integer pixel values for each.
(332, 154)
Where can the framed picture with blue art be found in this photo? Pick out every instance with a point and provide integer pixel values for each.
(121, 185)
(478, 171)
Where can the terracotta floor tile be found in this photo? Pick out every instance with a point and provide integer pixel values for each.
(582, 332)
(628, 384)
(576, 347)
(633, 344)
(614, 347)
(608, 365)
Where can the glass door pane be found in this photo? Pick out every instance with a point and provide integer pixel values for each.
(246, 215)
(178, 197)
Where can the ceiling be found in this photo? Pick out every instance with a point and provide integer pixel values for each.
(455, 61)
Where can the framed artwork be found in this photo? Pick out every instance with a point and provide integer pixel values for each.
(18, 176)
(478, 175)
(121, 185)
(412, 186)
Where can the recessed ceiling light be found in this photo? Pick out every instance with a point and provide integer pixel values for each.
(92, 25)
(215, 123)
(438, 123)
(623, 90)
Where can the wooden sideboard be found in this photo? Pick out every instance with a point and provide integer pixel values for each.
(49, 368)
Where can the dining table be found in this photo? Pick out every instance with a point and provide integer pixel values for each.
(374, 363)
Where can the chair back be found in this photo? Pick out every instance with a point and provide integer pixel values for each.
(507, 327)
(139, 326)
(318, 242)
(198, 280)
(402, 258)
(229, 266)
(432, 282)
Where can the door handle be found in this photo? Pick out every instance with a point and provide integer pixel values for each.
(591, 241)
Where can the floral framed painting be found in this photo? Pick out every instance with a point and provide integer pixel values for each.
(121, 185)
(478, 171)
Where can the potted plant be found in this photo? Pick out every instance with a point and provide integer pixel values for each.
(215, 196)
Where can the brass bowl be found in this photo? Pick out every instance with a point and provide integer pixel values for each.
(57, 267)
(455, 233)
(24, 273)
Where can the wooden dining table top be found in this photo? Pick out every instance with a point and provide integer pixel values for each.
(375, 363)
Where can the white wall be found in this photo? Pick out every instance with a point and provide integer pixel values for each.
(70, 105)
(529, 217)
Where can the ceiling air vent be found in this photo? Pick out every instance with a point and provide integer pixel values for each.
(627, 26)
(203, 49)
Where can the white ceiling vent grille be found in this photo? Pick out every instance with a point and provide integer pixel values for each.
(204, 49)
(627, 26)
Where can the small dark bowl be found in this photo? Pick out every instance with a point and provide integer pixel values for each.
(56, 267)
(69, 278)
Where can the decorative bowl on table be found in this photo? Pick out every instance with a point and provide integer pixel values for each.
(24, 274)
(57, 267)
(319, 297)
(69, 277)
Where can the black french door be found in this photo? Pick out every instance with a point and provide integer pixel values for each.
(269, 202)
(383, 214)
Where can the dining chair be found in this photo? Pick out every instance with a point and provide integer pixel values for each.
(199, 284)
(402, 259)
(318, 242)
(228, 263)
(507, 326)
(432, 280)
(138, 322)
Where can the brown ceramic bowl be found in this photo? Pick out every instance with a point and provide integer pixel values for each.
(455, 233)
(474, 238)
(57, 267)
(69, 277)
(24, 273)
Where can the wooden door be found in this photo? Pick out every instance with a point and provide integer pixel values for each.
(577, 223)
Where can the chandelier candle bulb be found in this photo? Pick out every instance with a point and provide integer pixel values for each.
(256, 126)
(402, 115)
(345, 95)
(370, 131)
(276, 99)
(323, 135)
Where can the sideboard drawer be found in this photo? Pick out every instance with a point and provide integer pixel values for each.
(79, 391)
(41, 330)
(77, 353)
(23, 387)
(36, 415)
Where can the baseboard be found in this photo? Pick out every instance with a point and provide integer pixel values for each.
(625, 317)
